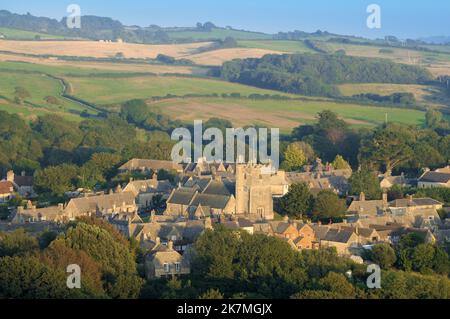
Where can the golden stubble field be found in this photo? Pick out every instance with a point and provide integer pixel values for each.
(96, 49)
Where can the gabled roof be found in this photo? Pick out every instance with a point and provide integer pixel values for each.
(415, 202)
(22, 181)
(103, 202)
(182, 196)
(156, 165)
(212, 201)
(339, 236)
(367, 207)
(435, 177)
(224, 187)
(6, 187)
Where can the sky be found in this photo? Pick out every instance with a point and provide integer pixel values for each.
(402, 18)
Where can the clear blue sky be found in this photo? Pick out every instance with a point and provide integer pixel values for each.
(403, 18)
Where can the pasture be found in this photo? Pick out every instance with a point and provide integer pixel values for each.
(281, 114)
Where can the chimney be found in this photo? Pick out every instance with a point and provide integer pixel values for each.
(10, 176)
(22, 173)
(157, 241)
(362, 197)
(410, 199)
(152, 216)
(60, 207)
(155, 177)
(170, 245)
(385, 198)
(357, 230)
(20, 210)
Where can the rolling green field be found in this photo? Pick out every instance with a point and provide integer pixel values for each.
(217, 33)
(277, 45)
(40, 87)
(26, 35)
(102, 90)
(282, 114)
(94, 86)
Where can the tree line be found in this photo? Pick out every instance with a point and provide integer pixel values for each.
(318, 74)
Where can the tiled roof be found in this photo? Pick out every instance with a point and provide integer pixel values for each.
(182, 196)
(6, 187)
(23, 180)
(340, 236)
(213, 201)
(435, 177)
(414, 202)
(136, 164)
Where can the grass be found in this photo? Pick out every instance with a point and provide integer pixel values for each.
(26, 35)
(217, 33)
(282, 114)
(114, 90)
(424, 94)
(39, 86)
(277, 45)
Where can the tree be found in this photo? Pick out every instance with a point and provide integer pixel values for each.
(56, 180)
(383, 255)
(340, 163)
(433, 119)
(422, 258)
(294, 158)
(297, 202)
(389, 147)
(29, 278)
(366, 182)
(17, 243)
(212, 294)
(339, 285)
(116, 260)
(328, 205)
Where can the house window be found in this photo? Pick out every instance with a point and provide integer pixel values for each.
(260, 211)
(174, 238)
(167, 268)
(177, 267)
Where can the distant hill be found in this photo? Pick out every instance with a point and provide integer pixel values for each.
(93, 27)
(437, 40)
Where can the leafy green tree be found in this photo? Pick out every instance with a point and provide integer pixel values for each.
(294, 158)
(115, 258)
(17, 243)
(297, 203)
(422, 258)
(389, 147)
(339, 285)
(383, 255)
(433, 118)
(212, 294)
(366, 182)
(340, 163)
(58, 256)
(29, 278)
(328, 205)
(56, 180)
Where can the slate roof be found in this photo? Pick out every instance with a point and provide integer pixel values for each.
(398, 203)
(182, 196)
(435, 177)
(87, 204)
(23, 180)
(213, 201)
(339, 236)
(155, 165)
